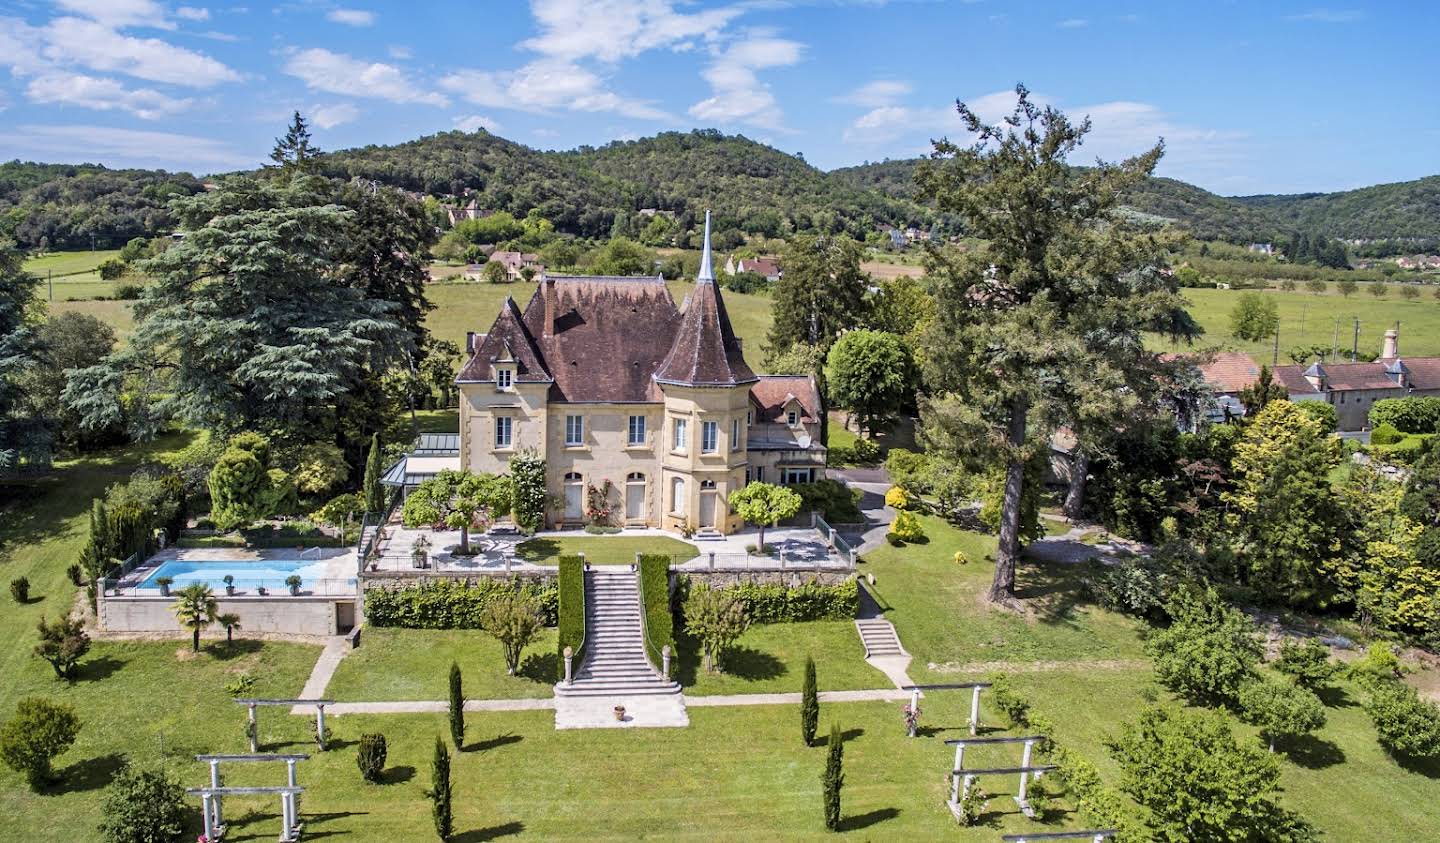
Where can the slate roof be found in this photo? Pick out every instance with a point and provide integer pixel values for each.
(1422, 373)
(614, 339)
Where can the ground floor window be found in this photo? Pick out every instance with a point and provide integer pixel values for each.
(798, 475)
(502, 431)
(677, 495)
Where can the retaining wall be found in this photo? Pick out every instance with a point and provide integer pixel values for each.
(283, 614)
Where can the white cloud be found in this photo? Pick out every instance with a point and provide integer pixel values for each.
(192, 13)
(1328, 16)
(471, 122)
(1073, 23)
(738, 95)
(338, 73)
(332, 115)
(544, 85)
(118, 13)
(93, 45)
(878, 93)
(400, 52)
(610, 30)
(20, 46)
(122, 147)
(351, 17)
(102, 94)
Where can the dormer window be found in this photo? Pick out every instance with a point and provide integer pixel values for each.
(504, 377)
(792, 418)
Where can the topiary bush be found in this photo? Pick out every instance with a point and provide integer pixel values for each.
(20, 589)
(450, 604)
(1385, 434)
(570, 616)
(37, 732)
(370, 757)
(1406, 725)
(898, 498)
(655, 597)
(809, 601)
(836, 502)
(143, 806)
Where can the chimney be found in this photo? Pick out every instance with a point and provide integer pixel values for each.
(547, 289)
(1391, 347)
(469, 342)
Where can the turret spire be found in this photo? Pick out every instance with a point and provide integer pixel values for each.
(707, 270)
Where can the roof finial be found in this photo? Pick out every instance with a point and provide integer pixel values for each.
(707, 271)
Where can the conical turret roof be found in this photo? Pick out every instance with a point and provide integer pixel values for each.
(706, 351)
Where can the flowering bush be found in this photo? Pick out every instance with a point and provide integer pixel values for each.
(599, 510)
(898, 498)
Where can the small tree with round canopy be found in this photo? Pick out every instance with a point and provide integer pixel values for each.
(765, 505)
(458, 499)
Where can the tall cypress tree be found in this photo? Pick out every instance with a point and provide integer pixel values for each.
(457, 708)
(834, 777)
(374, 492)
(809, 704)
(440, 793)
(20, 351)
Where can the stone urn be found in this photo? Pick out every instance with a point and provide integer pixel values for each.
(620, 713)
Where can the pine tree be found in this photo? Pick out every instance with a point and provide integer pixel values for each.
(1045, 322)
(809, 704)
(294, 152)
(457, 708)
(834, 777)
(440, 791)
(374, 492)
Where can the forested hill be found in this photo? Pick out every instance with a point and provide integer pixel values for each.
(65, 206)
(595, 192)
(754, 187)
(1402, 210)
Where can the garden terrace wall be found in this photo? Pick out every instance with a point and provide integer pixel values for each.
(792, 579)
(279, 614)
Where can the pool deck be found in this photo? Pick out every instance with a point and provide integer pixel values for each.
(340, 568)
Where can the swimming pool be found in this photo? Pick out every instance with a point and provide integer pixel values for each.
(249, 576)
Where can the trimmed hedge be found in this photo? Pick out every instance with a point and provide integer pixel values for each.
(450, 604)
(811, 601)
(655, 596)
(835, 501)
(1407, 415)
(1405, 450)
(571, 598)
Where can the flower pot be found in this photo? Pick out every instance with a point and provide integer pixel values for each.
(620, 713)
(164, 589)
(294, 591)
(229, 591)
(260, 590)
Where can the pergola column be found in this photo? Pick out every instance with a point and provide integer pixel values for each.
(955, 780)
(254, 729)
(218, 822)
(974, 709)
(319, 727)
(206, 816)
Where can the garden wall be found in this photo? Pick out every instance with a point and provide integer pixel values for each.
(792, 579)
(282, 614)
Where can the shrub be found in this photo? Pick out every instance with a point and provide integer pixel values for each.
(1282, 711)
(907, 527)
(527, 470)
(571, 611)
(1379, 664)
(38, 731)
(1138, 587)
(1407, 415)
(514, 619)
(809, 704)
(1209, 650)
(898, 498)
(76, 574)
(862, 452)
(601, 530)
(1384, 434)
(894, 540)
(960, 558)
(834, 777)
(809, 601)
(449, 604)
(1407, 726)
(111, 268)
(1004, 697)
(62, 644)
(20, 589)
(907, 469)
(370, 757)
(1307, 662)
(655, 598)
(128, 292)
(144, 806)
(1409, 449)
(835, 501)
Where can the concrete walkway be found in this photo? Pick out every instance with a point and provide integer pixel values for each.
(641, 711)
(431, 706)
(336, 649)
(867, 695)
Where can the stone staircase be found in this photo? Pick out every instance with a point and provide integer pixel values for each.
(878, 636)
(613, 663)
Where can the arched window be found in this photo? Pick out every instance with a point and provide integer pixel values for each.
(677, 495)
(707, 485)
(635, 477)
(573, 477)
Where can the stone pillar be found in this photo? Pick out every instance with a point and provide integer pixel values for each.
(254, 725)
(975, 709)
(665, 661)
(955, 777)
(712, 560)
(207, 820)
(1025, 775)
(914, 707)
(218, 823)
(569, 658)
(320, 725)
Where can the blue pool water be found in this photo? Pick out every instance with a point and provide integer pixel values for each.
(270, 573)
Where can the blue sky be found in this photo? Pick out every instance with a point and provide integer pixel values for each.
(1250, 96)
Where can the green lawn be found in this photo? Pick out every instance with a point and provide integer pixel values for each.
(603, 550)
(60, 264)
(1307, 319)
(940, 610)
(770, 658)
(414, 664)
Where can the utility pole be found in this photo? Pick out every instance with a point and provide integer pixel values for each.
(50, 279)
(1275, 360)
(1335, 340)
(1355, 345)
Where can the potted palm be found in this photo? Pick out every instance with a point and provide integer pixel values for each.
(229, 585)
(420, 552)
(164, 583)
(294, 582)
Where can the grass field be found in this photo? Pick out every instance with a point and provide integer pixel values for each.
(1308, 319)
(61, 264)
(414, 664)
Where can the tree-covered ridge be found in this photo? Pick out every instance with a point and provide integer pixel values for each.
(1387, 211)
(63, 206)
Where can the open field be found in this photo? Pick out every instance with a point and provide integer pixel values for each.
(60, 264)
(1308, 319)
